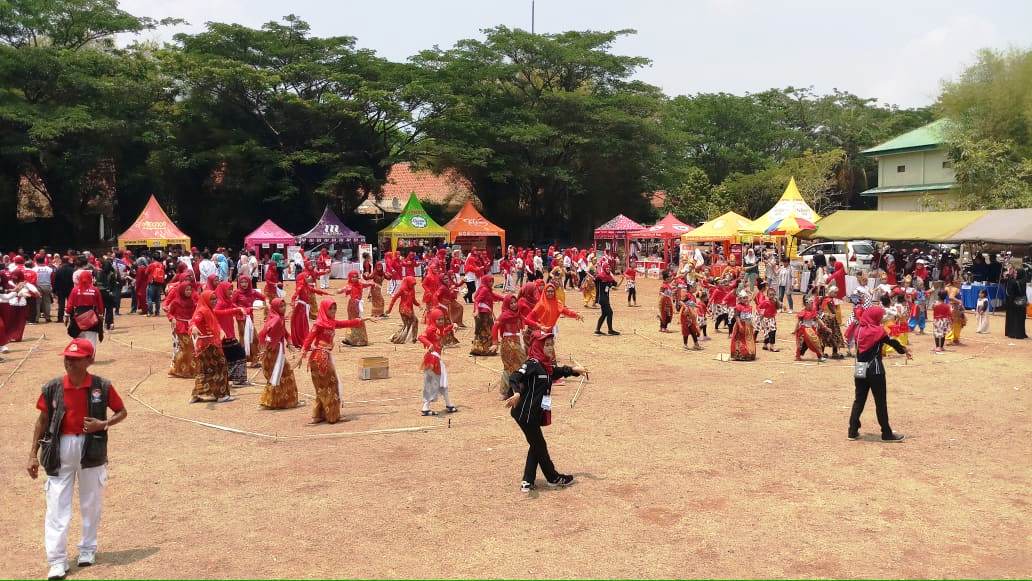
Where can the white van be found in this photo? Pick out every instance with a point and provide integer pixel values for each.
(855, 254)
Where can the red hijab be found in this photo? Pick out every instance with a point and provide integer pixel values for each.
(204, 314)
(870, 329)
(277, 309)
(212, 282)
(224, 296)
(537, 350)
(85, 278)
(181, 301)
(324, 319)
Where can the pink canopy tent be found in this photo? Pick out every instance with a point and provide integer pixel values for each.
(618, 229)
(268, 233)
(669, 230)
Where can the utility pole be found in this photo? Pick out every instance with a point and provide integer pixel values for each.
(532, 16)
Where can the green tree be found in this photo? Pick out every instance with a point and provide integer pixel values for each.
(74, 111)
(990, 134)
(549, 129)
(688, 196)
(753, 194)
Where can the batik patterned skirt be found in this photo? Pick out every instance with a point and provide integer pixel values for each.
(376, 298)
(455, 313)
(743, 341)
(513, 356)
(809, 338)
(482, 335)
(212, 379)
(940, 327)
(251, 347)
(409, 330)
(236, 360)
(280, 387)
(357, 336)
(183, 363)
(831, 333)
(764, 325)
(327, 387)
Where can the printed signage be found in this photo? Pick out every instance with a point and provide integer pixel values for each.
(418, 222)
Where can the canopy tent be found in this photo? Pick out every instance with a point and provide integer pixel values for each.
(719, 229)
(413, 223)
(330, 230)
(892, 226)
(790, 225)
(667, 229)
(619, 228)
(268, 233)
(791, 202)
(996, 226)
(469, 223)
(153, 228)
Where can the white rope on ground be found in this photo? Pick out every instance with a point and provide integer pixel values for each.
(481, 365)
(23, 360)
(132, 347)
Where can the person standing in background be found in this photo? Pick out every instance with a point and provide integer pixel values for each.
(63, 285)
(44, 282)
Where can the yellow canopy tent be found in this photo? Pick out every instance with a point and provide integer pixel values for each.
(791, 202)
(719, 229)
(893, 226)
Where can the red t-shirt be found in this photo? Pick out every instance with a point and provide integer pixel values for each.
(156, 273)
(75, 404)
(942, 311)
(631, 273)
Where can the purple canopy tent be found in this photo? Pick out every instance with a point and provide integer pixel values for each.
(330, 230)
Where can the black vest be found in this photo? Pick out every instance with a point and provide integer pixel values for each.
(94, 448)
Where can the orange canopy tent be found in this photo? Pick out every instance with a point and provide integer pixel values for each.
(469, 223)
(154, 229)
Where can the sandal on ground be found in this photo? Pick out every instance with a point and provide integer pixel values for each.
(451, 409)
(315, 422)
(774, 350)
(429, 413)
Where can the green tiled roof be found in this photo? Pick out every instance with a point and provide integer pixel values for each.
(906, 189)
(927, 137)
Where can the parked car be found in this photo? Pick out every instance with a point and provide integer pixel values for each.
(855, 254)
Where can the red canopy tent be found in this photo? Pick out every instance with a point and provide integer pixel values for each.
(618, 229)
(669, 229)
(469, 223)
(269, 234)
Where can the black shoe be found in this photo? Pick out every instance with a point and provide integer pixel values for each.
(853, 436)
(893, 438)
(562, 480)
(599, 333)
(614, 333)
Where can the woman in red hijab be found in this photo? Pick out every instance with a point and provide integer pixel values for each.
(273, 286)
(869, 373)
(483, 304)
(227, 314)
(280, 386)
(376, 279)
(303, 309)
(354, 287)
(405, 296)
(319, 343)
(179, 308)
(435, 373)
(807, 331)
(449, 297)
(84, 299)
(212, 380)
(246, 297)
(506, 334)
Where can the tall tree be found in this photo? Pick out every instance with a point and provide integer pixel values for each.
(549, 129)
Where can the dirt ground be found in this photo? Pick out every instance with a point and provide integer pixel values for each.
(686, 466)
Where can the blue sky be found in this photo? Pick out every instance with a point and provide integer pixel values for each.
(898, 52)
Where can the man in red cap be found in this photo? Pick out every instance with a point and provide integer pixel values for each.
(70, 441)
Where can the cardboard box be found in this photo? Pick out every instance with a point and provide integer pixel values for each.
(374, 368)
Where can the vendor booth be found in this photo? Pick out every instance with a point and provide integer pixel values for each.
(615, 236)
(153, 229)
(789, 216)
(332, 232)
(723, 230)
(470, 229)
(268, 238)
(668, 232)
(413, 228)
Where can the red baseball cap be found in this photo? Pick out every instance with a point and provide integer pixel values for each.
(78, 349)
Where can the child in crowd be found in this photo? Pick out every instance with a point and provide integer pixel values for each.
(942, 318)
(982, 312)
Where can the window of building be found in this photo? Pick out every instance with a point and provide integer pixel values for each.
(901, 169)
(947, 165)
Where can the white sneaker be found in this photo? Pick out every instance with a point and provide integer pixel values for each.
(4, 349)
(87, 558)
(57, 571)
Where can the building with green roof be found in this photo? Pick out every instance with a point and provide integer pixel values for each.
(913, 169)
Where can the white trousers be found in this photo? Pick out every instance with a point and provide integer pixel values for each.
(58, 491)
(324, 281)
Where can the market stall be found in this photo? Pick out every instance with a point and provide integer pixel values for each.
(268, 238)
(667, 232)
(723, 230)
(470, 229)
(413, 228)
(153, 229)
(771, 224)
(331, 231)
(615, 236)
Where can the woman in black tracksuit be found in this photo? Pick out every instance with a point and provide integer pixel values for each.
(530, 389)
(604, 282)
(869, 372)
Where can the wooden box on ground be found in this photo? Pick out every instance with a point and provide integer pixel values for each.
(374, 368)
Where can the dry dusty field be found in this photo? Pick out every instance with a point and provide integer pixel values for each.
(686, 466)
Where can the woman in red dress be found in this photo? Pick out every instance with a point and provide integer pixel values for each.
(319, 343)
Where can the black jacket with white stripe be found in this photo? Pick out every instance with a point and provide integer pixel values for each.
(532, 381)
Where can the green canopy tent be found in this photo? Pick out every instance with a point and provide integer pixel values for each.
(412, 224)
